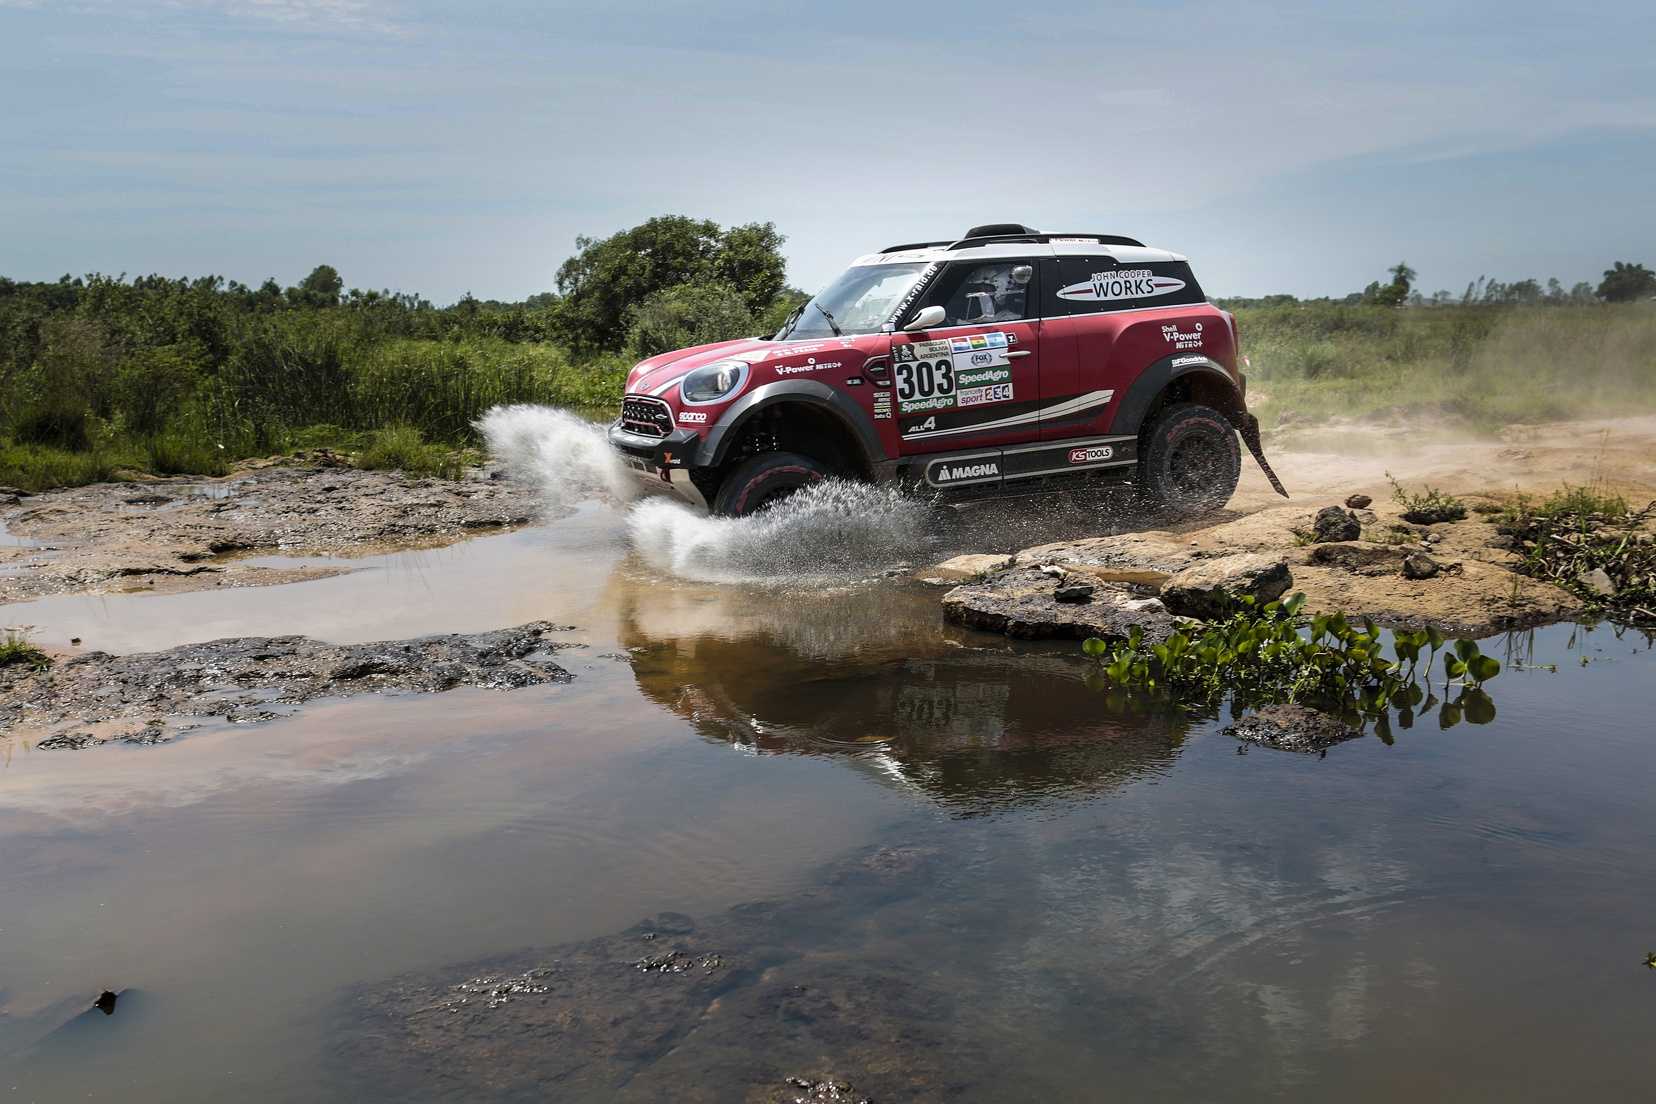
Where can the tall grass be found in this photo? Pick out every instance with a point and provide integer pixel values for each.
(1480, 366)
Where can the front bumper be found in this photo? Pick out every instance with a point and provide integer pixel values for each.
(660, 463)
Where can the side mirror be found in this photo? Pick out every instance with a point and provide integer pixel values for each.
(926, 319)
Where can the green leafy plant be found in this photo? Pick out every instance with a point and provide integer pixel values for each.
(1592, 544)
(16, 651)
(1270, 654)
(1429, 507)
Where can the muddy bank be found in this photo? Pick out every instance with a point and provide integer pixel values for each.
(769, 1002)
(172, 535)
(1460, 576)
(149, 698)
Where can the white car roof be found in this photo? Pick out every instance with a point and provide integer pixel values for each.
(1061, 247)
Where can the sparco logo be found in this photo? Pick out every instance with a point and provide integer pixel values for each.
(692, 416)
(1091, 455)
(1126, 283)
(947, 474)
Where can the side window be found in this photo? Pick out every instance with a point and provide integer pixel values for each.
(974, 292)
(1089, 285)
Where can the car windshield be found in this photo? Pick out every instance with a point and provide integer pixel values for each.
(858, 302)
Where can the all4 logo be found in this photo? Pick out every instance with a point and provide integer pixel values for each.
(921, 427)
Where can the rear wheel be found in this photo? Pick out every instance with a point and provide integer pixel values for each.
(1189, 461)
(764, 480)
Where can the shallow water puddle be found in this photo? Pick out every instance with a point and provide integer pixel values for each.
(1066, 902)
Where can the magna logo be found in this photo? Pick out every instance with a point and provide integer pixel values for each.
(1091, 455)
(692, 415)
(947, 473)
(1124, 283)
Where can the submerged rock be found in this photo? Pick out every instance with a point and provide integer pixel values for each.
(1023, 602)
(1292, 728)
(241, 679)
(1209, 590)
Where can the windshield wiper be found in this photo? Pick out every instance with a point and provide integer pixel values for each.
(832, 325)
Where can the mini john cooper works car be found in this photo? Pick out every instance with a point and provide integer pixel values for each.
(1006, 362)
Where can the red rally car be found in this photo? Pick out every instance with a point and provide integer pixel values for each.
(1006, 362)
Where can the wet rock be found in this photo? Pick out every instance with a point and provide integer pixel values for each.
(1209, 590)
(1358, 502)
(1335, 524)
(68, 741)
(249, 679)
(106, 1002)
(1292, 728)
(98, 538)
(1599, 582)
(1021, 602)
(1418, 565)
(962, 569)
(810, 1090)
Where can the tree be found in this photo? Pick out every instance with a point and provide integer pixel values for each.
(1395, 293)
(606, 280)
(320, 289)
(1627, 282)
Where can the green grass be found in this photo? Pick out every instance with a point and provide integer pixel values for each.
(16, 651)
(41, 467)
(402, 448)
(1578, 532)
(1482, 367)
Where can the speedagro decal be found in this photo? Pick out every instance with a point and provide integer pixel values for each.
(692, 416)
(931, 373)
(1183, 339)
(1125, 283)
(1090, 455)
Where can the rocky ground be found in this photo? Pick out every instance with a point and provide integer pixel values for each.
(148, 698)
(1457, 575)
(753, 1005)
(193, 534)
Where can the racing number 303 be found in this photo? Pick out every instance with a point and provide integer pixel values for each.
(921, 379)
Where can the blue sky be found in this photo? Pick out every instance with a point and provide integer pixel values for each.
(445, 148)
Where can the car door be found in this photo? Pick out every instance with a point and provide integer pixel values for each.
(971, 383)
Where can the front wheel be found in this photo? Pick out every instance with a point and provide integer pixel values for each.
(1189, 461)
(764, 480)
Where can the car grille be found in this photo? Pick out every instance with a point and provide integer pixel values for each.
(649, 417)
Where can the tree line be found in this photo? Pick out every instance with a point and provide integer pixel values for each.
(1623, 282)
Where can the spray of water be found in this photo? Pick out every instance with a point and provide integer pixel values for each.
(831, 531)
(565, 455)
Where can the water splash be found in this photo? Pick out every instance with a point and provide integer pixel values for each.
(832, 531)
(565, 455)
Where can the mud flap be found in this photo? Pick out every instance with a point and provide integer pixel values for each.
(1248, 426)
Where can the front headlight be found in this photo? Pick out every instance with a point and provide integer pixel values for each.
(713, 382)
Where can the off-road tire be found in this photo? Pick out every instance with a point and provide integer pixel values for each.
(764, 480)
(1189, 461)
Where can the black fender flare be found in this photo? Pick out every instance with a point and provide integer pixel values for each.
(1136, 404)
(1141, 396)
(719, 440)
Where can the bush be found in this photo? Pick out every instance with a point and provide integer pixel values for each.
(690, 314)
(401, 448)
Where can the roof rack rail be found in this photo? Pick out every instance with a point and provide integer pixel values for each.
(1042, 239)
(914, 245)
(1031, 236)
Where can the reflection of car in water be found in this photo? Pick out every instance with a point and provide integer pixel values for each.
(1006, 362)
(872, 675)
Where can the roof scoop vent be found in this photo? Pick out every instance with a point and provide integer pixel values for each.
(999, 229)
